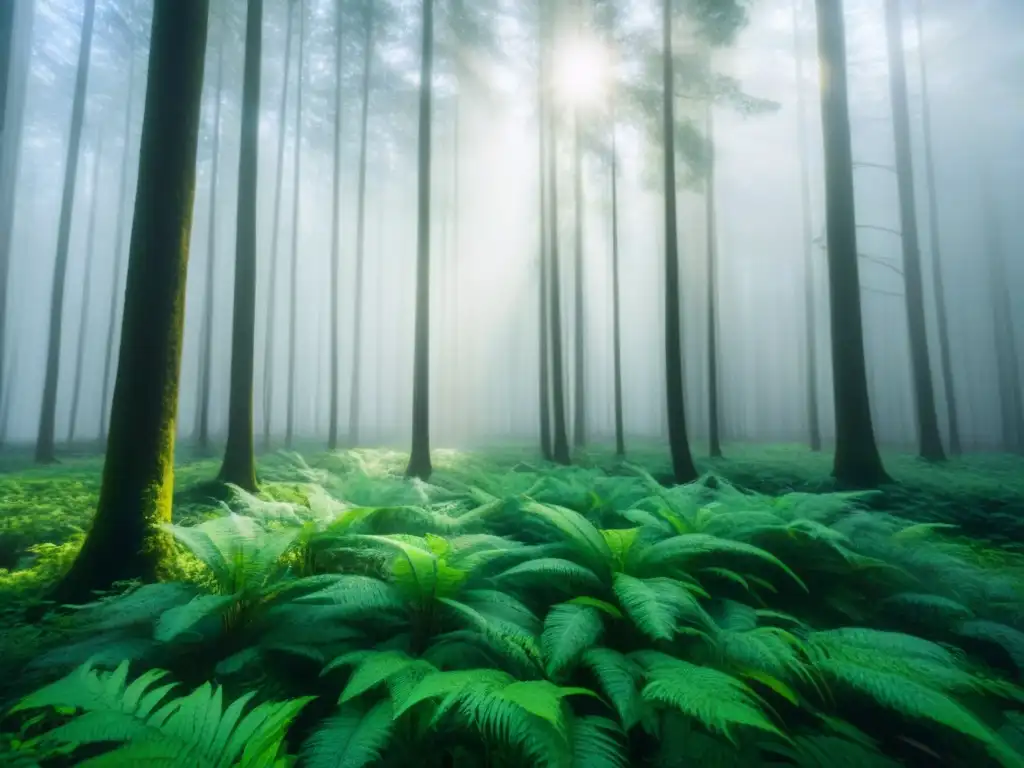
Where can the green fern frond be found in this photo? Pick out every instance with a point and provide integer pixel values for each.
(568, 631)
(597, 742)
(358, 595)
(550, 571)
(618, 677)
(656, 606)
(585, 538)
(1009, 639)
(183, 618)
(353, 738)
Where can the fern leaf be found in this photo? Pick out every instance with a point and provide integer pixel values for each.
(179, 620)
(597, 742)
(568, 631)
(353, 738)
(618, 677)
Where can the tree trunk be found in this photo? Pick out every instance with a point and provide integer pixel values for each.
(419, 458)
(332, 428)
(543, 369)
(45, 449)
(682, 461)
(941, 310)
(125, 541)
(355, 404)
(16, 21)
(807, 226)
(293, 304)
(620, 438)
(90, 257)
(119, 238)
(206, 361)
(268, 341)
(579, 430)
(857, 462)
(929, 438)
(714, 419)
(239, 466)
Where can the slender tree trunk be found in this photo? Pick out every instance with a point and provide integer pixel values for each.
(293, 304)
(45, 448)
(16, 21)
(268, 341)
(620, 438)
(125, 541)
(714, 418)
(119, 238)
(544, 371)
(579, 431)
(332, 429)
(10, 372)
(682, 460)
(355, 391)
(857, 461)
(807, 226)
(419, 459)
(206, 361)
(90, 257)
(941, 309)
(239, 465)
(929, 437)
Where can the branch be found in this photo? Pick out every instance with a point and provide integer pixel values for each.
(881, 262)
(880, 291)
(876, 228)
(880, 166)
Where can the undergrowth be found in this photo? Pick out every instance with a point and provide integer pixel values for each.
(513, 614)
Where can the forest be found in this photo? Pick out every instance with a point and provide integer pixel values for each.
(511, 383)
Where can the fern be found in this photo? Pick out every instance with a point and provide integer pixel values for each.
(353, 738)
(568, 631)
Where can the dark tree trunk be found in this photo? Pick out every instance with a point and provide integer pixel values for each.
(206, 359)
(45, 449)
(90, 257)
(125, 541)
(119, 238)
(332, 427)
(10, 372)
(419, 458)
(560, 440)
(239, 466)
(15, 48)
(355, 404)
(544, 383)
(807, 228)
(714, 418)
(620, 438)
(579, 428)
(857, 462)
(268, 341)
(682, 460)
(293, 303)
(929, 437)
(941, 310)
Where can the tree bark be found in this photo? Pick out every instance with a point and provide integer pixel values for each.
(682, 460)
(293, 304)
(45, 448)
(206, 361)
(929, 437)
(714, 419)
(126, 540)
(119, 238)
(857, 463)
(268, 341)
(90, 257)
(807, 230)
(239, 466)
(419, 458)
(938, 287)
(355, 399)
(332, 428)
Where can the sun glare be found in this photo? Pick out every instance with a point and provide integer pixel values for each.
(581, 72)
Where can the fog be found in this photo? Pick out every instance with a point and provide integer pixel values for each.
(485, 227)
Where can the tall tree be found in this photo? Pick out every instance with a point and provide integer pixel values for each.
(16, 21)
(239, 466)
(935, 243)
(206, 353)
(807, 238)
(683, 468)
(620, 439)
(45, 449)
(90, 257)
(126, 541)
(119, 239)
(293, 303)
(857, 462)
(271, 335)
(929, 437)
(355, 399)
(335, 286)
(711, 225)
(579, 426)
(419, 458)
(544, 392)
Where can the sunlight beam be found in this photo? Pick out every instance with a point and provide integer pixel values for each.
(581, 72)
